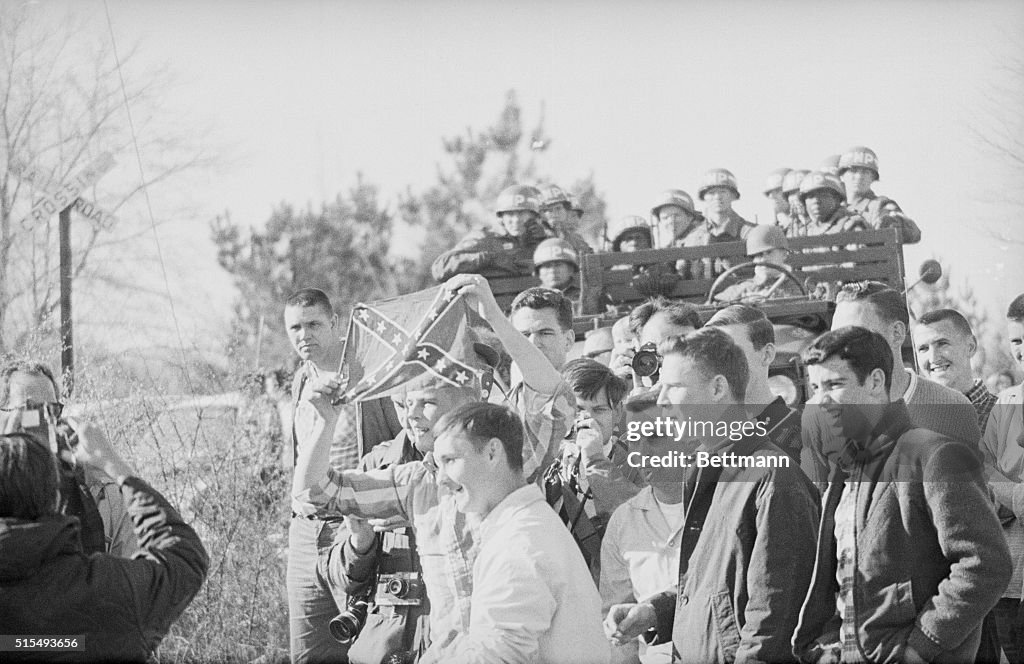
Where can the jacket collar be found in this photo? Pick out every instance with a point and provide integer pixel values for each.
(522, 497)
(894, 423)
(25, 546)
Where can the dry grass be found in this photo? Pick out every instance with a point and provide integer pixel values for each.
(218, 463)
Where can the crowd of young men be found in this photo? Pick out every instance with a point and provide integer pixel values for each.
(877, 525)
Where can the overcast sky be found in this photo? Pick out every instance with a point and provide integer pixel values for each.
(646, 95)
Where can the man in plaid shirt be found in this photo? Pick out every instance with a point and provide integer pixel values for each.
(446, 542)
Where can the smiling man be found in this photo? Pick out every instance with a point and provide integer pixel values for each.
(533, 598)
(910, 555)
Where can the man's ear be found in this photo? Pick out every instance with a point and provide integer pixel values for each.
(876, 380)
(898, 333)
(972, 346)
(768, 354)
(570, 339)
(720, 387)
(495, 451)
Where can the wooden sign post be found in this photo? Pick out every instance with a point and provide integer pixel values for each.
(60, 198)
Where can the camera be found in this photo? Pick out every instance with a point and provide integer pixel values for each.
(399, 589)
(646, 362)
(345, 627)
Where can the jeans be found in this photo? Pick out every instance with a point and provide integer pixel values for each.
(312, 602)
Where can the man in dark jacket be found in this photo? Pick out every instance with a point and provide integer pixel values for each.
(749, 516)
(119, 609)
(910, 553)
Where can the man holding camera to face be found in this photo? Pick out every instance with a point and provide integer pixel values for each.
(30, 391)
(111, 608)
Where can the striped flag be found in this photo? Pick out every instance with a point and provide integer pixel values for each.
(408, 341)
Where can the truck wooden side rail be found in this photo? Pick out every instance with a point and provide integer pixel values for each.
(843, 257)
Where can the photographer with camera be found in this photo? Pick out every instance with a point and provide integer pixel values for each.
(111, 608)
(30, 390)
(651, 323)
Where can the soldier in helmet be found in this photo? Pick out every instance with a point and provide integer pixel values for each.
(822, 196)
(773, 192)
(718, 190)
(507, 252)
(765, 244)
(830, 164)
(797, 213)
(560, 220)
(673, 216)
(629, 233)
(557, 265)
(858, 169)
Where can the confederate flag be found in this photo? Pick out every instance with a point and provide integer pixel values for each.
(408, 341)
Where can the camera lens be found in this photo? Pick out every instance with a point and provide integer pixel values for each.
(398, 587)
(346, 626)
(646, 362)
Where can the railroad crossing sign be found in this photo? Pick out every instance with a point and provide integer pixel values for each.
(59, 198)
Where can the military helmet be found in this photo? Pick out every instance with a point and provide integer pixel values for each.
(765, 237)
(717, 177)
(622, 225)
(830, 164)
(575, 206)
(775, 179)
(816, 180)
(552, 250)
(791, 183)
(552, 194)
(676, 197)
(518, 197)
(859, 157)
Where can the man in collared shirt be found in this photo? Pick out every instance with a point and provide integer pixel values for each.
(533, 598)
(446, 545)
(910, 556)
(1003, 447)
(751, 330)
(875, 306)
(748, 533)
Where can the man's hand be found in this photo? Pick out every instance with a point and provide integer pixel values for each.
(325, 390)
(589, 437)
(390, 523)
(94, 449)
(625, 622)
(361, 534)
(621, 362)
(477, 292)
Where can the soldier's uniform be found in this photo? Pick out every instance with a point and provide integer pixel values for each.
(751, 291)
(490, 254)
(879, 211)
(494, 253)
(555, 195)
(882, 212)
(842, 220)
(735, 229)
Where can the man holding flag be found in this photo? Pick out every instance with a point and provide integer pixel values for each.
(413, 342)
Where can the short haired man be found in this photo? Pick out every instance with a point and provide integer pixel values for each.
(86, 493)
(858, 169)
(1003, 447)
(910, 554)
(881, 309)
(502, 252)
(751, 330)
(533, 599)
(118, 609)
(651, 323)
(445, 544)
(544, 316)
(591, 477)
(765, 244)
(313, 330)
(748, 529)
(945, 344)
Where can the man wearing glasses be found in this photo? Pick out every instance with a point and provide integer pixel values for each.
(85, 491)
